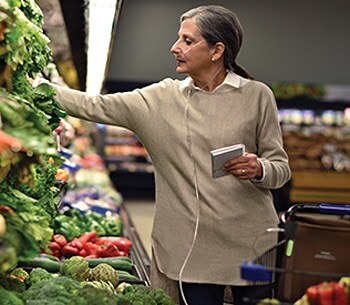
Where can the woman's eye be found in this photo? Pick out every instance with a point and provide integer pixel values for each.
(188, 41)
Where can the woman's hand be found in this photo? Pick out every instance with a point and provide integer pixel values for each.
(245, 167)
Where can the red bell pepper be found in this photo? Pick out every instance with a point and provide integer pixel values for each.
(82, 252)
(72, 248)
(69, 251)
(91, 249)
(88, 237)
(108, 250)
(55, 249)
(91, 256)
(76, 244)
(327, 293)
(340, 293)
(122, 243)
(60, 239)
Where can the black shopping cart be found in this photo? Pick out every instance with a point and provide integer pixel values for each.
(313, 246)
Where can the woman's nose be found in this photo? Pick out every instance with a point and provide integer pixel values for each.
(175, 47)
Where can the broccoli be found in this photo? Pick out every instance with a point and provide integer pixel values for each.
(161, 298)
(142, 295)
(44, 302)
(9, 297)
(36, 275)
(122, 300)
(69, 284)
(58, 289)
(96, 296)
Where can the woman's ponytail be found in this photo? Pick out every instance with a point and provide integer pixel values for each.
(241, 71)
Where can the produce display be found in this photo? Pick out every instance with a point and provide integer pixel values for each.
(90, 245)
(76, 284)
(61, 237)
(324, 293)
(28, 151)
(122, 150)
(73, 224)
(297, 90)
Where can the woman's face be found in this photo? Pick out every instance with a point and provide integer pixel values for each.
(192, 54)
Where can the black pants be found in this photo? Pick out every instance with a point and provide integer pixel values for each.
(210, 294)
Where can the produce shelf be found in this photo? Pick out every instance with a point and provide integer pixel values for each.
(138, 254)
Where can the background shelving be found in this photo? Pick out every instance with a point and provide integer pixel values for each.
(316, 136)
(127, 161)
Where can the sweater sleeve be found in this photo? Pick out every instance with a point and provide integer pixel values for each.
(271, 152)
(123, 109)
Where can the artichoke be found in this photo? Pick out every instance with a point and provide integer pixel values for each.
(76, 267)
(106, 273)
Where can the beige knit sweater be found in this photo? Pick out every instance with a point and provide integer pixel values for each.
(232, 212)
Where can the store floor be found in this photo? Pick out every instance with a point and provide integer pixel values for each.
(141, 213)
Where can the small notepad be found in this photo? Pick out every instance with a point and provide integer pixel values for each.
(221, 155)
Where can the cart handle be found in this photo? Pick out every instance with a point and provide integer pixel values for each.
(322, 208)
(338, 209)
(255, 272)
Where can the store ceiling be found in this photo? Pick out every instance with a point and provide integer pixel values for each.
(73, 14)
(64, 24)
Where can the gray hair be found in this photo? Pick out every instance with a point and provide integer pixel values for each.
(218, 24)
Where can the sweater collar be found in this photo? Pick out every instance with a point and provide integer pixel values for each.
(232, 80)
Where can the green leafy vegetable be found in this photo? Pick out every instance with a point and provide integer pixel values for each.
(30, 125)
(11, 283)
(18, 237)
(44, 100)
(33, 12)
(28, 196)
(21, 85)
(9, 297)
(26, 43)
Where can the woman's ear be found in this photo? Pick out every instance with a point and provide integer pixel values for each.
(218, 50)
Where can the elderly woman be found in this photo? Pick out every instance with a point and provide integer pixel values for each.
(204, 228)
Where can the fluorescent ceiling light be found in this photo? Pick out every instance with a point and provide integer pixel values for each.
(100, 18)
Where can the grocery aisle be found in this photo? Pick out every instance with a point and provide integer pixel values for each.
(141, 213)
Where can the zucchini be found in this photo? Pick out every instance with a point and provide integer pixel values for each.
(124, 258)
(45, 263)
(123, 272)
(125, 276)
(115, 262)
(48, 256)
